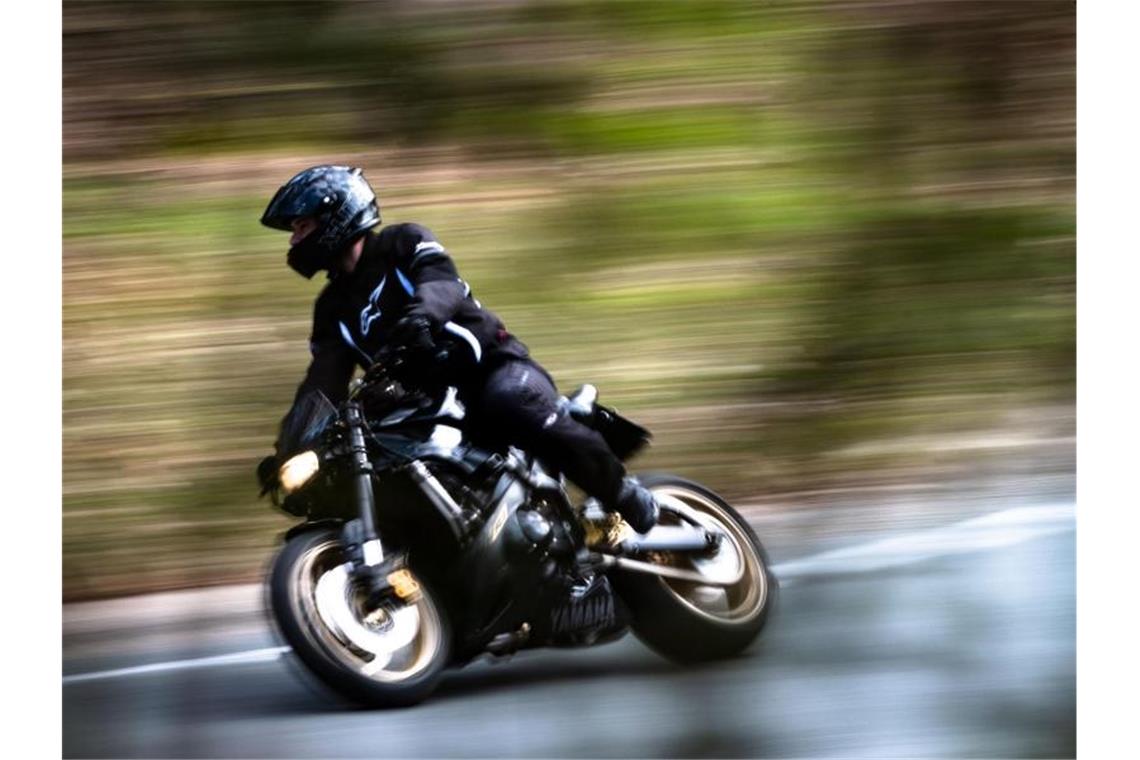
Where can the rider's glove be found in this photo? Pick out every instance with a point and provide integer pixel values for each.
(413, 334)
(267, 473)
(414, 357)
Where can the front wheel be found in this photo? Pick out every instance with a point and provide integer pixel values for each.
(693, 622)
(388, 655)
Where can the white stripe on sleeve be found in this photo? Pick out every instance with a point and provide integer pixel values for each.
(468, 336)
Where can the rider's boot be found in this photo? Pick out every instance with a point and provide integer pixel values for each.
(637, 505)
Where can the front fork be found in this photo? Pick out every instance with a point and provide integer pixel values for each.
(385, 577)
(361, 539)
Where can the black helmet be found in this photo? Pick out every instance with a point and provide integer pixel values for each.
(343, 204)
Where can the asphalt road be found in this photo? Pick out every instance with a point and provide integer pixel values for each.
(897, 637)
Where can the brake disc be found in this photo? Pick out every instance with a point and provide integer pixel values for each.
(334, 597)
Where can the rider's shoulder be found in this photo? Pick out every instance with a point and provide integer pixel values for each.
(411, 241)
(402, 232)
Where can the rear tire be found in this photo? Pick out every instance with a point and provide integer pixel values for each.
(385, 658)
(688, 622)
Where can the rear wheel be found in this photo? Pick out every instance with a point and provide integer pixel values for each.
(389, 655)
(688, 621)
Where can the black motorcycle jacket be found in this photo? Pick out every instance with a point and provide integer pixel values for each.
(403, 271)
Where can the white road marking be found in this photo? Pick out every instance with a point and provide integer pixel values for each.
(992, 531)
(995, 530)
(237, 658)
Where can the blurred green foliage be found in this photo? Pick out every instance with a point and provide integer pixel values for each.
(811, 245)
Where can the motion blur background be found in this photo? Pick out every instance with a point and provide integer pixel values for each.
(825, 251)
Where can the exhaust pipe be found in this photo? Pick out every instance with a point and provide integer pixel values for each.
(670, 538)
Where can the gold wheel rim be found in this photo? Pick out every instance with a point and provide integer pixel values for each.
(739, 603)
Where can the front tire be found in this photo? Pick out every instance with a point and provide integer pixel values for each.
(690, 622)
(389, 656)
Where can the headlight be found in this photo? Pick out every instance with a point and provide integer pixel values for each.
(298, 471)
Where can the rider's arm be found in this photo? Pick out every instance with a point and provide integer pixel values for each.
(332, 361)
(437, 289)
(329, 371)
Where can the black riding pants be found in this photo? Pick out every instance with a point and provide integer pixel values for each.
(517, 404)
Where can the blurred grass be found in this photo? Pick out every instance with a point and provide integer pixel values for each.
(811, 246)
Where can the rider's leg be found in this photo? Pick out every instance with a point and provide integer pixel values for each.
(518, 403)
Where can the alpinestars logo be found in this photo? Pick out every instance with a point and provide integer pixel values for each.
(371, 312)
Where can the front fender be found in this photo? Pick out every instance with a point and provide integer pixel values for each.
(303, 527)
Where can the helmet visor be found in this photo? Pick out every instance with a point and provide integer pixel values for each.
(288, 203)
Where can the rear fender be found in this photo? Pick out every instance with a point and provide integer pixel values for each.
(624, 436)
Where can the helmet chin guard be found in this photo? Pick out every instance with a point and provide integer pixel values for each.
(308, 257)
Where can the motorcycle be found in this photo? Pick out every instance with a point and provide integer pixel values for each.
(422, 548)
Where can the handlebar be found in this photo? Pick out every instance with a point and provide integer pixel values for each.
(386, 368)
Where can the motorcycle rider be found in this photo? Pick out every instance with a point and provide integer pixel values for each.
(396, 287)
